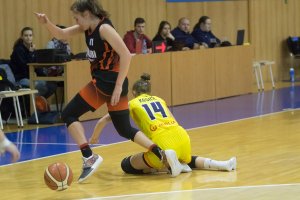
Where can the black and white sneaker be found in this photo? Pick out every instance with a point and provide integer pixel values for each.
(90, 165)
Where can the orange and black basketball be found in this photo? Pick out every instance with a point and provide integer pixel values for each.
(41, 104)
(58, 176)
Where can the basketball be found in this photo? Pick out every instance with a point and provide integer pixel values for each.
(58, 176)
(42, 104)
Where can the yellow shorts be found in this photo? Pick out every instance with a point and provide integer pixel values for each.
(175, 138)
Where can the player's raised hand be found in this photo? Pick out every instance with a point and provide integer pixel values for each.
(42, 18)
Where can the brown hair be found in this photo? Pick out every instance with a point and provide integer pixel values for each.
(20, 40)
(139, 20)
(202, 20)
(143, 85)
(91, 5)
(161, 27)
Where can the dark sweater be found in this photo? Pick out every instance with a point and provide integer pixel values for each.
(168, 41)
(204, 36)
(184, 37)
(18, 61)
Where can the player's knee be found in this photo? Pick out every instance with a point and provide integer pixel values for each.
(68, 118)
(128, 132)
(128, 168)
(74, 110)
(122, 124)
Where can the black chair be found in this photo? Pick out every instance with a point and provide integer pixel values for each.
(59, 109)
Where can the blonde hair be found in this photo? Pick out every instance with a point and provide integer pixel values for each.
(143, 85)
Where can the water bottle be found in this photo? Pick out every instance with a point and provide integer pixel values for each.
(292, 74)
(144, 47)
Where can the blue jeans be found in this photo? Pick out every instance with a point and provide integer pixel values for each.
(45, 89)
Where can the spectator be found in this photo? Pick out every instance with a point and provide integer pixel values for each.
(58, 44)
(202, 33)
(135, 39)
(182, 34)
(23, 53)
(164, 34)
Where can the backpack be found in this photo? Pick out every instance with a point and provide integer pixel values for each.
(51, 117)
(5, 83)
(293, 44)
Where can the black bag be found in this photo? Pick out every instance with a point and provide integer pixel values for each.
(225, 44)
(293, 44)
(7, 108)
(51, 56)
(7, 104)
(5, 84)
(51, 117)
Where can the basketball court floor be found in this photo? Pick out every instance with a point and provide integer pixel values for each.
(262, 130)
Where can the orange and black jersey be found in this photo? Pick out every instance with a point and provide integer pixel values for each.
(105, 62)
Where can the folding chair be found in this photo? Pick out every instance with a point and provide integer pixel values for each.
(15, 95)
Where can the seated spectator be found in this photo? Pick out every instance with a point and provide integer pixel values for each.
(58, 44)
(202, 33)
(136, 40)
(23, 53)
(164, 34)
(182, 34)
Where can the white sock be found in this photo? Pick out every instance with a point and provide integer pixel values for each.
(216, 165)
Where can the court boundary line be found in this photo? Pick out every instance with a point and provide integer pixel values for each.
(190, 129)
(242, 119)
(67, 144)
(200, 189)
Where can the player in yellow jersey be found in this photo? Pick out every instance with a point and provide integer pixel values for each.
(152, 116)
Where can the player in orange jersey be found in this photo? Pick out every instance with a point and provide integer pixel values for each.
(110, 60)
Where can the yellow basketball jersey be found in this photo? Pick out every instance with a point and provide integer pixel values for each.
(151, 114)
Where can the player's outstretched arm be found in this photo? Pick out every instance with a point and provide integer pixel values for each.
(98, 128)
(58, 33)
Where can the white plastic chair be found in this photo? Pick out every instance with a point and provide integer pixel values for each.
(257, 66)
(15, 95)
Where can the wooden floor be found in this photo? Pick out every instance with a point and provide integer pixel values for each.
(267, 149)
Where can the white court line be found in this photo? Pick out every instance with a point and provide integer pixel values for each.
(202, 189)
(237, 120)
(130, 141)
(36, 143)
(291, 109)
(67, 144)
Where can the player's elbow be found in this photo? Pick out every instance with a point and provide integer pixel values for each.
(62, 35)
(125, 55)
